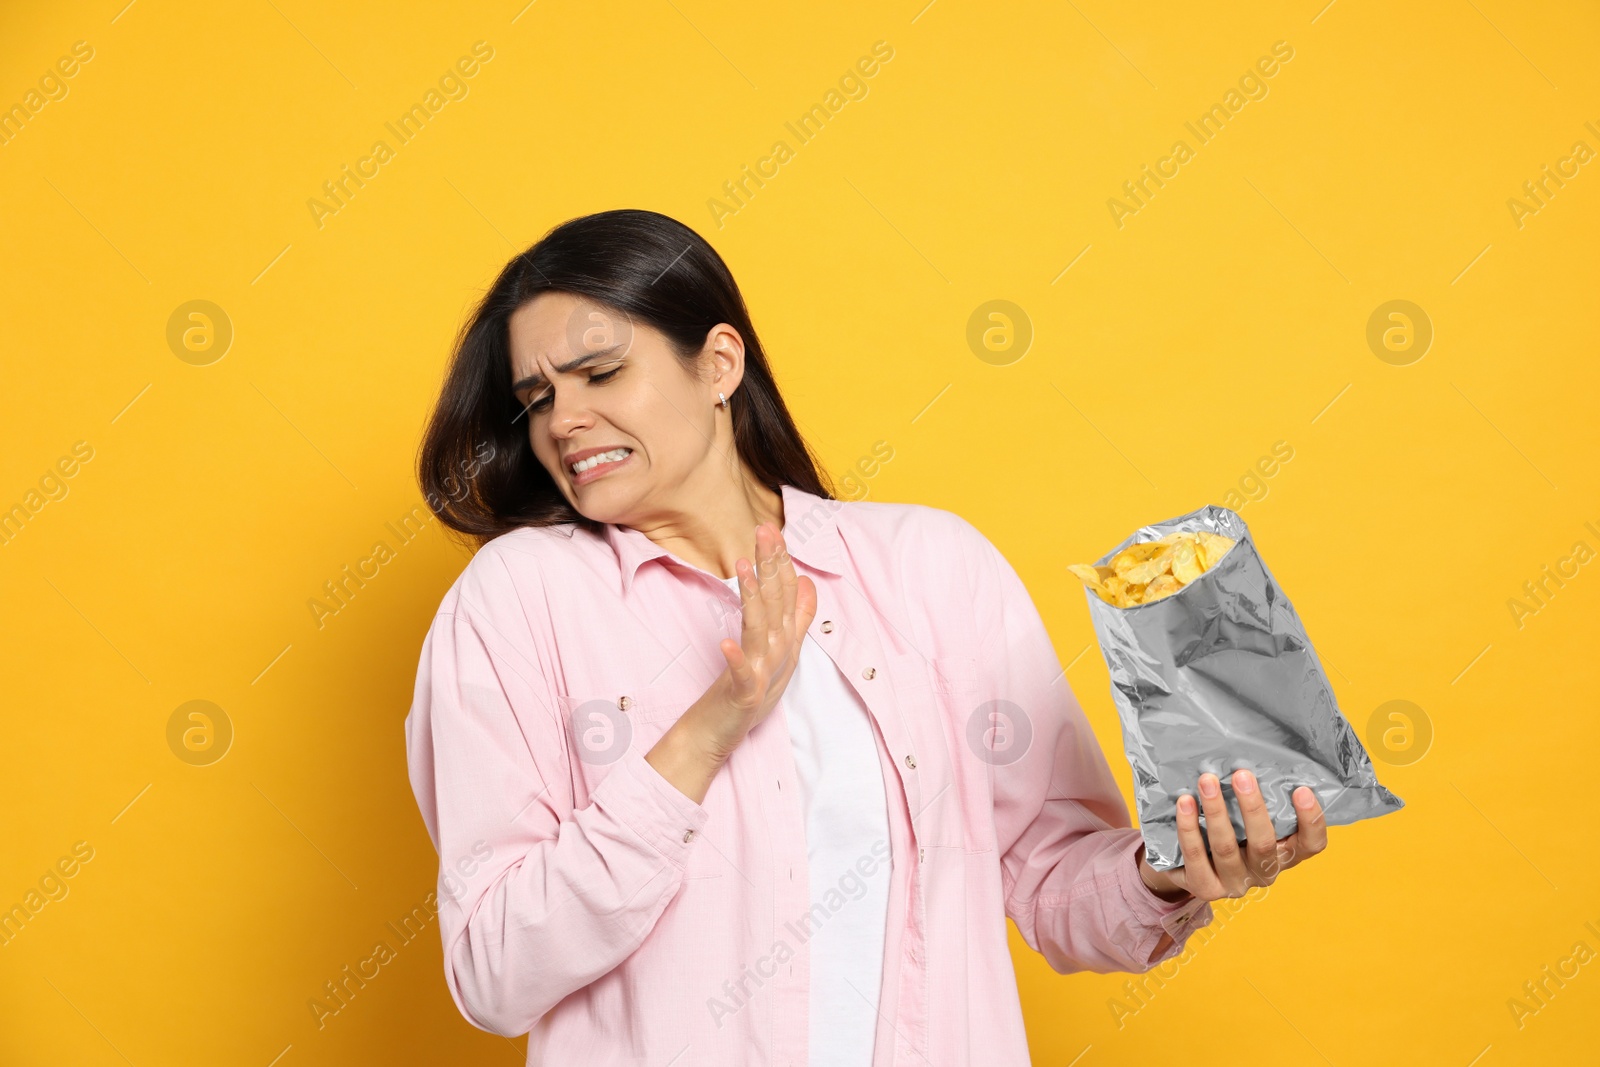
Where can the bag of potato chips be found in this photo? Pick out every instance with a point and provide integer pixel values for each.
(1211, 670)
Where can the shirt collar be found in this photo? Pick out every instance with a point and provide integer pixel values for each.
(810, 529)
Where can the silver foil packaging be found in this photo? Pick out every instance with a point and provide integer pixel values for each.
(1221, 676)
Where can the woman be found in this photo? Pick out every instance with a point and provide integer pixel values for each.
(722, 770)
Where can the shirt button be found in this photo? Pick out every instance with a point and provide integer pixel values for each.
(624, 703)
(827, 626)
(919, 855)
(869, 672)
(911, 762)
(687, 835)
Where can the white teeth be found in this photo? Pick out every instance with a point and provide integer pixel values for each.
(604, 457)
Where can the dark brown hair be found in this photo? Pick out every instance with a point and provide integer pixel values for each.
(477, 470)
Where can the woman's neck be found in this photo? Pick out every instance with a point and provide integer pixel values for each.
(714, 531)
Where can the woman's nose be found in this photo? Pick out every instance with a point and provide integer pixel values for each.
(568, 413)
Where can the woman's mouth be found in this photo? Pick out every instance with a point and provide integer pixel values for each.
(598, 466)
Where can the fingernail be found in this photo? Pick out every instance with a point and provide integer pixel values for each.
(1208, 785)
(1244, 782)
(1186, 804)
(1303, 799)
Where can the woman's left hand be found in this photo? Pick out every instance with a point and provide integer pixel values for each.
(1230, 871)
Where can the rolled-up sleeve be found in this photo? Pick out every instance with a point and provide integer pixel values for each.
(536, 898)
(1069, 853)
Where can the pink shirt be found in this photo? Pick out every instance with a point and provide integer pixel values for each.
(587, 901)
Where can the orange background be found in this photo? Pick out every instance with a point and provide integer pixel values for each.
(1170, 348)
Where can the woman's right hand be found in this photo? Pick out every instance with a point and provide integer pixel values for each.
(778, 608)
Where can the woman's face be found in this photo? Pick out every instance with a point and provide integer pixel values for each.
(613, 397)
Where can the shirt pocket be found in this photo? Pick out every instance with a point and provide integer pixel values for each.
(939, 698)
(652, 710)
(663, 702)
(603, 725)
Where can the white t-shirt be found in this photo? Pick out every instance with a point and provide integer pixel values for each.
(847, 818)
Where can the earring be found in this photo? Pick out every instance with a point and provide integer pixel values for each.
(724, 401)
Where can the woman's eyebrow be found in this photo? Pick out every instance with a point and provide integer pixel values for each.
(588, 357)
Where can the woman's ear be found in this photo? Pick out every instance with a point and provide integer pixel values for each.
(727, 357)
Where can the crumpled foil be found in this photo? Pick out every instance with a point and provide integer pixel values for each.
(1221, 676)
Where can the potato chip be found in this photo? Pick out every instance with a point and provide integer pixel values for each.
(1113, 591)
(1212, 548)
(1147, 571)
(1165, 585)
(1090, 575)
(1133, 555)
(1186, 562)
(1150, 569)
